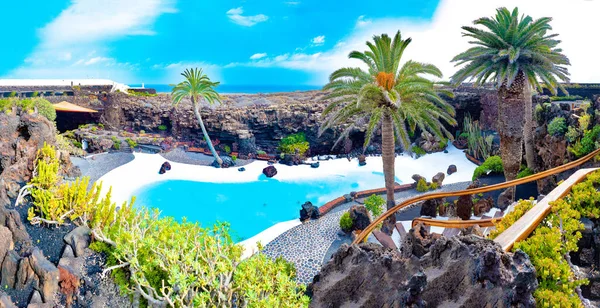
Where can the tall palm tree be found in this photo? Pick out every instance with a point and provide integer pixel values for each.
(390, 96)
(516, 54)
(198, 86)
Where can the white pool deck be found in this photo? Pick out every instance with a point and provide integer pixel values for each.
(143, 170)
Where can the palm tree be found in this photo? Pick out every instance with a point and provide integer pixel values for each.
(397, 98)
(198, 86)
(515, 53)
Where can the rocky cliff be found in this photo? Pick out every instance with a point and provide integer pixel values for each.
(259, 121)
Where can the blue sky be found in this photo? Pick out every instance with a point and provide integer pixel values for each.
(247, 42)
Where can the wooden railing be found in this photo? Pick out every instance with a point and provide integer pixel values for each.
(487, 222)
(576, 163)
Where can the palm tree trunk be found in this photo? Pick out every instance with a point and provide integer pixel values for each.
(388, 156)
(528, 129)
(206, 137)
(511, 120)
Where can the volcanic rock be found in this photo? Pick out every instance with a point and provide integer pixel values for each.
(9, 269)
(79, 239)
(47, 274)
(429, 207)
(451, 169)
(242, 169)
(417, 178)
(309, 211)
(464, 271)
(360, 217)
(315, 165)
(438, 178)
(464, 205)
(6, 242)
(483, 206)
(270, 171)
(362, 160)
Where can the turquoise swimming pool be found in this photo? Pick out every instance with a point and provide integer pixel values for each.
(250, 207)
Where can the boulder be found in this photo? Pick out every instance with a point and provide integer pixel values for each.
(447, 209)
(468, 270)
(9, 269)
(483, 206)
(430, 207)
(25, 274)
(47, 274)
(79, 239)
(5, 301)
(227, 162)
(438, 178)
(464, 204)
(417, 178)
(360, 217)
(362, 160)
(166, 166)
(6, 242)
(309, 211)
(12, 220)
(242, 169)
(451, 169)
(315, 165)
(270, 171)
(505, 198)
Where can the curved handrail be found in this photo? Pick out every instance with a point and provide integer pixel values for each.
(473, 191)
(487, 222)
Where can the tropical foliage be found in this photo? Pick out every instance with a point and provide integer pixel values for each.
(374, 204)
(346, 222)
(491, 165)
(44, 107)
(514, 52)
(557, 126)
(518, 211)
(294, 144)
(397, 98)
(197, 86)
(479, 144)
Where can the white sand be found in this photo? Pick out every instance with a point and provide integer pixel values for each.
(143, 170)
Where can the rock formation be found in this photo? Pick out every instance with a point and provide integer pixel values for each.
(309, 211)
(360, 217)
(466, 271)
(270, 171)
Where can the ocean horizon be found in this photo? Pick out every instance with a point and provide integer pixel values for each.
(246, 89)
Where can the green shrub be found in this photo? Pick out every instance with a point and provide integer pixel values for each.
(554, 238)
(422, 186)
(585, 197)
(234, 158)
(116, 142)
(375, 205)
(143, 94)
(346, 222)
(132, 144)
(587, 143)
(12, 94)
(294, 144)
(418, 150)
(492, 164)
(538, 114)
(524, 172)
(572, 134)
(433, 186)
(509, 219)
(226, 148)
(260, 152)
(101, 125)
(565, 98)
(162, 128)
(94, 128)
(557, 126)
(142, 131)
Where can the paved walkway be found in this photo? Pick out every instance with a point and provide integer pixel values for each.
(311, 244)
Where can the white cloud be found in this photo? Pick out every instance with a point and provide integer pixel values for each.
(438, 40)
(235, 15)
(75, 43)
(318, 41)
(257, 56)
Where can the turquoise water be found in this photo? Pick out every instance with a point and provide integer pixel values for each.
(250, 207)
